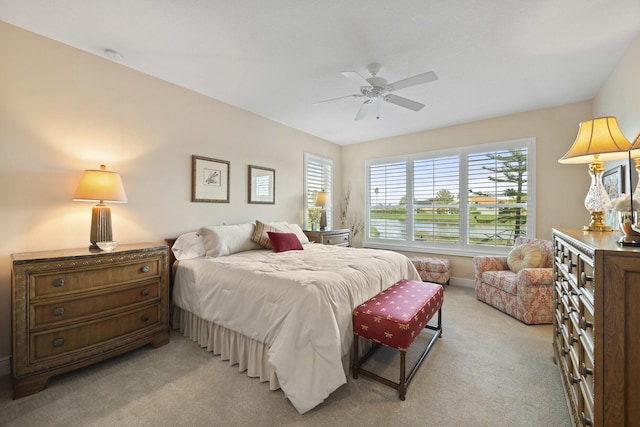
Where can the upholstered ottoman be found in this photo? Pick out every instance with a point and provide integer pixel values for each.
(394, 318)
(433, 269)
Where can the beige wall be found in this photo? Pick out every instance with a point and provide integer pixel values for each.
(63, 110)
(620, 95)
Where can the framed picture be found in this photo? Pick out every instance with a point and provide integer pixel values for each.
(613, 181)
(209, 180)
(262, 185)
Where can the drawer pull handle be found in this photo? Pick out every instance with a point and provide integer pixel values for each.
(586, 421)
(584, 278)
(572, 339)
(58, 342)
(570, 265)
(565, 351)
(145, 318)
(58, 311)
(573, 380)
(585, 371)
(585, 323)
(58, 283)
(329, 241)
(144, 292)
(145, 269)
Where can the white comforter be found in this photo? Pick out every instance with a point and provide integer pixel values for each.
(299, 303)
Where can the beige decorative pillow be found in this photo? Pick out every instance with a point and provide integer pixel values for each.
(524, 256)
(260, 235)
(544, 258)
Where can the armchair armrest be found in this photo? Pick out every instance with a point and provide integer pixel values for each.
(535, 277)
(489, 263)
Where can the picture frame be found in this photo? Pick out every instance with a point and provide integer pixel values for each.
(209, 180)
(613, 182)
(262, 185)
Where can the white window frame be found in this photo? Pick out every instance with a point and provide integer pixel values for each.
(324, 162)
(461, 248)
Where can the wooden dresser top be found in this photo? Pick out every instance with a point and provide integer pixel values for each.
(62, 254)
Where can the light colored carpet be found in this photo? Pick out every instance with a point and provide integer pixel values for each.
(487, 370)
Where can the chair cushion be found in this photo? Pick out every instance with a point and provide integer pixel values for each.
(504, 280)
(524, 256)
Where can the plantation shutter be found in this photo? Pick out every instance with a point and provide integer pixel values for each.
(435, 203)
(318, 177)
(387, 201)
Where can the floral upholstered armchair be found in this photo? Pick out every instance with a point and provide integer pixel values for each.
(520, 284)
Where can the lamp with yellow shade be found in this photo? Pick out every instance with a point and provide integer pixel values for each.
(598, 140)
(323, 200)
(101, 186)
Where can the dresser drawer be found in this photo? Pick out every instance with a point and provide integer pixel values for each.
(78, 337)
(63, 282)
(45, 314)
(341, 239)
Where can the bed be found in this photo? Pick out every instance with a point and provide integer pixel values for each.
(283, 316)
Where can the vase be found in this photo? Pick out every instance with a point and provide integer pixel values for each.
(625, 220)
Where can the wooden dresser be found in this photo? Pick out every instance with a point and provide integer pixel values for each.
(72, 308)
(340, 237)
(597, 326)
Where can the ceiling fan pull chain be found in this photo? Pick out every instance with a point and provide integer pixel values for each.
(378, 109)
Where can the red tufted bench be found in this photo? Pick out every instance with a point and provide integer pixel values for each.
(394, 318)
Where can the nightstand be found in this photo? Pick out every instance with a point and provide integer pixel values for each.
(75, 307)
(340, 237)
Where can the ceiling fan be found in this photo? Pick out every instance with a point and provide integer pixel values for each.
(375, 88)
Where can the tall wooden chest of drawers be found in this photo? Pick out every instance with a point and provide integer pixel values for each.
(597, 326)
(72, 308)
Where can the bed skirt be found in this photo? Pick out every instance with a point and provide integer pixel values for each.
(250, 355)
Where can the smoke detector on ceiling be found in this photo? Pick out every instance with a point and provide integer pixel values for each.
(113, 55)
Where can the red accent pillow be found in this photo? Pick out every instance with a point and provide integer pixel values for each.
(283, 242)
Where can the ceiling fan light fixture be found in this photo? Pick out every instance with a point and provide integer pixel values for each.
(376, 87)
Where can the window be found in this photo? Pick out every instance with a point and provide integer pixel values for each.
(318, 176)
(454, 200)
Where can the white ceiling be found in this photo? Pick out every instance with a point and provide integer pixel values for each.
(276, 58)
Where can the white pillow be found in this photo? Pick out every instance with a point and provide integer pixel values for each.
(223, 240)
(524, 256)
(295, 229)
(188, 246)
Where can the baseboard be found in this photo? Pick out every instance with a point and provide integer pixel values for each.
(461, 281)
(5, 365)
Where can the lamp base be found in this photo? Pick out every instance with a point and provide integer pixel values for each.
(323, 220)
(100, 225)
(597, 223)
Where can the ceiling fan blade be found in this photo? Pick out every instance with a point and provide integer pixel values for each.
(364, 108)
(352, 75)
(337, 99)
(419, 79)
(404, 102)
